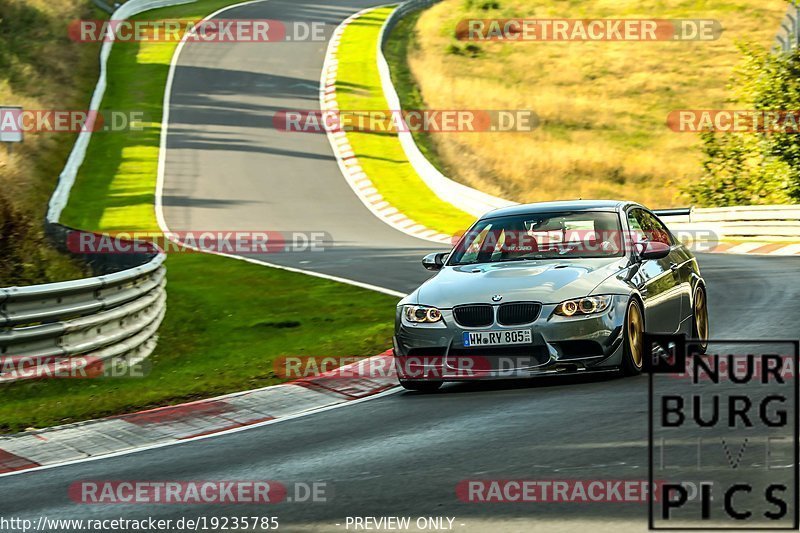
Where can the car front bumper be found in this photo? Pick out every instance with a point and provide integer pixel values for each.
(560, 344)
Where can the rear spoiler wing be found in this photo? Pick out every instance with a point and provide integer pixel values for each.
(680, 211)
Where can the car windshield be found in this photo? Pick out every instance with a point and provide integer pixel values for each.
(574, 235)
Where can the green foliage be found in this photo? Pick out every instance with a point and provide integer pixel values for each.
(34, 44)
(473, 50)
(486, 5)
(755, 167)
(454, 49)
(26, 257)
(40, 68)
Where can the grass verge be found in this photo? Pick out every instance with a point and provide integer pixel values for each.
(226, 320)
(380, 153)
(396, 51)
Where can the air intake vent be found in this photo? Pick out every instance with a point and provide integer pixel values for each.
(474, 316)
(513, 314)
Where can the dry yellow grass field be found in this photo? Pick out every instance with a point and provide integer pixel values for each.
(602, 105)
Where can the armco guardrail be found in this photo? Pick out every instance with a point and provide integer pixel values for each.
(102, 5)
(788, 36)
(465, 198)
(113, 317)
(769, 222)
(61, 329)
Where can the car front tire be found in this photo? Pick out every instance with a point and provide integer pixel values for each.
(700, 326)
(633, 339)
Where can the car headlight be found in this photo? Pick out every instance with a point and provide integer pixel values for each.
(583, 306)
(421, 314)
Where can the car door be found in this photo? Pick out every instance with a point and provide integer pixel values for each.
(680, 261)
(657, 279)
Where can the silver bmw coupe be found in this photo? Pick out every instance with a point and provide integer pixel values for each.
(549, 288)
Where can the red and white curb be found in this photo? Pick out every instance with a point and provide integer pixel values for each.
(755, 248)
(180, 423)
(348, 161)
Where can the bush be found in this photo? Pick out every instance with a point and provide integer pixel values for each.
(473, 50)
(40, 68)
(757, 167)
(454, 49)
(27, 256)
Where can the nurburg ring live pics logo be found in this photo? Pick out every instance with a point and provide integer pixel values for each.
(723, 433)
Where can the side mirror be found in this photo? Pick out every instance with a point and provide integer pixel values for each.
(651, 250)
(434, 261)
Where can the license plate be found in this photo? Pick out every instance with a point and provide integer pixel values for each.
(497, 338)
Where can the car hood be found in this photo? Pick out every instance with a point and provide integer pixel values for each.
(542, 280)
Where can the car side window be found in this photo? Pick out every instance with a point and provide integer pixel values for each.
(655, 229)
(635, 226)
(644, 226)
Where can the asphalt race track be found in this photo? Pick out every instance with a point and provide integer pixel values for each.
(403, 453)
(228, 169)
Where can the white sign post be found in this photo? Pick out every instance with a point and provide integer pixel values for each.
(10, 125)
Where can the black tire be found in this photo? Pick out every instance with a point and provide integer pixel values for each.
(421, 386)
(632, 339)
(700, 325)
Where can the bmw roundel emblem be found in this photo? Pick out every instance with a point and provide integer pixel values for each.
(496, 298)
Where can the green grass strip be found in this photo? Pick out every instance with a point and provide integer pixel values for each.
(358, 88)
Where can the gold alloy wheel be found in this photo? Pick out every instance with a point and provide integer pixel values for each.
(635, 333)
(701, 315)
